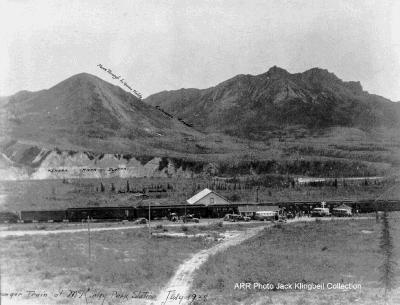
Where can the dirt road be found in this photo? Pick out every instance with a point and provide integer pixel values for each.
(4, 232)
(181, 282)
(179, 285)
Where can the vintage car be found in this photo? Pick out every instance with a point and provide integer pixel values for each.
(320, 212)
(290, 215)
(173, 217)
(141, 221)
(236, 217)
(189, 218)
(246, 218)
(232, 217)
(266, 215)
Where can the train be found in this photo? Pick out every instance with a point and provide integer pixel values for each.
(122, 213)
(130, 213)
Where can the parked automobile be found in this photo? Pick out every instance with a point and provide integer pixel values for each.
(141, 221)
(246, 218)
(265, 215)
(190, 218)
(232, 217)
(290, 215)
(236, 217)
(173, 217)
(320, 212)
(227, 217)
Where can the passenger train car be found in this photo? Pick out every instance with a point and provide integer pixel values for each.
(130, 213)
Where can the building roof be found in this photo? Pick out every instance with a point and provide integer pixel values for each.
(198, 196)
(202, 194)
(257, 208)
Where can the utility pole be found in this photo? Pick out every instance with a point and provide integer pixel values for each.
(185, 208)
(149, 220)
(0, 281)
(258, 187)
(88, 222)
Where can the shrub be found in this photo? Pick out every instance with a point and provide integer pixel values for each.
(184, 228)
(47, 275)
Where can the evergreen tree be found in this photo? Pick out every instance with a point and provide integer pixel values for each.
(388, 264)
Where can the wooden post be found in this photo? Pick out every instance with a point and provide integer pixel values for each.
(257, 193)
(185, 213)
(0, 282)
(185, 194)
(149, 220)
(88, 222)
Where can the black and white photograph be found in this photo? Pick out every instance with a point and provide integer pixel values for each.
(180, 152)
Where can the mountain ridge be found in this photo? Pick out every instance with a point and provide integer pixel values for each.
(315, 99)
(84, 110)
(277, 122)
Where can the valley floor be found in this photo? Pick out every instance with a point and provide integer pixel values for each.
(324, 252)
(124, 266)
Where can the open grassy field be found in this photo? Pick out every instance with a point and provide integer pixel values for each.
(125, 261)
(320, 252)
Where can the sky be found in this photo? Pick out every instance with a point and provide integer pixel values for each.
(168, 45)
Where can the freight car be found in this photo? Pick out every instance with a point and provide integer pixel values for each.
(101, 213)
(8, 217)
(43, 215)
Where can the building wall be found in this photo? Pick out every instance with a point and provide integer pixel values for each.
(212, 199)
(249, 214)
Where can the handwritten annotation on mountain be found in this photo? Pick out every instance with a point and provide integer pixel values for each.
(122, 80)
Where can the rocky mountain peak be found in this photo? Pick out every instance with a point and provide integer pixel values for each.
(276, 71)
(246, 105)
